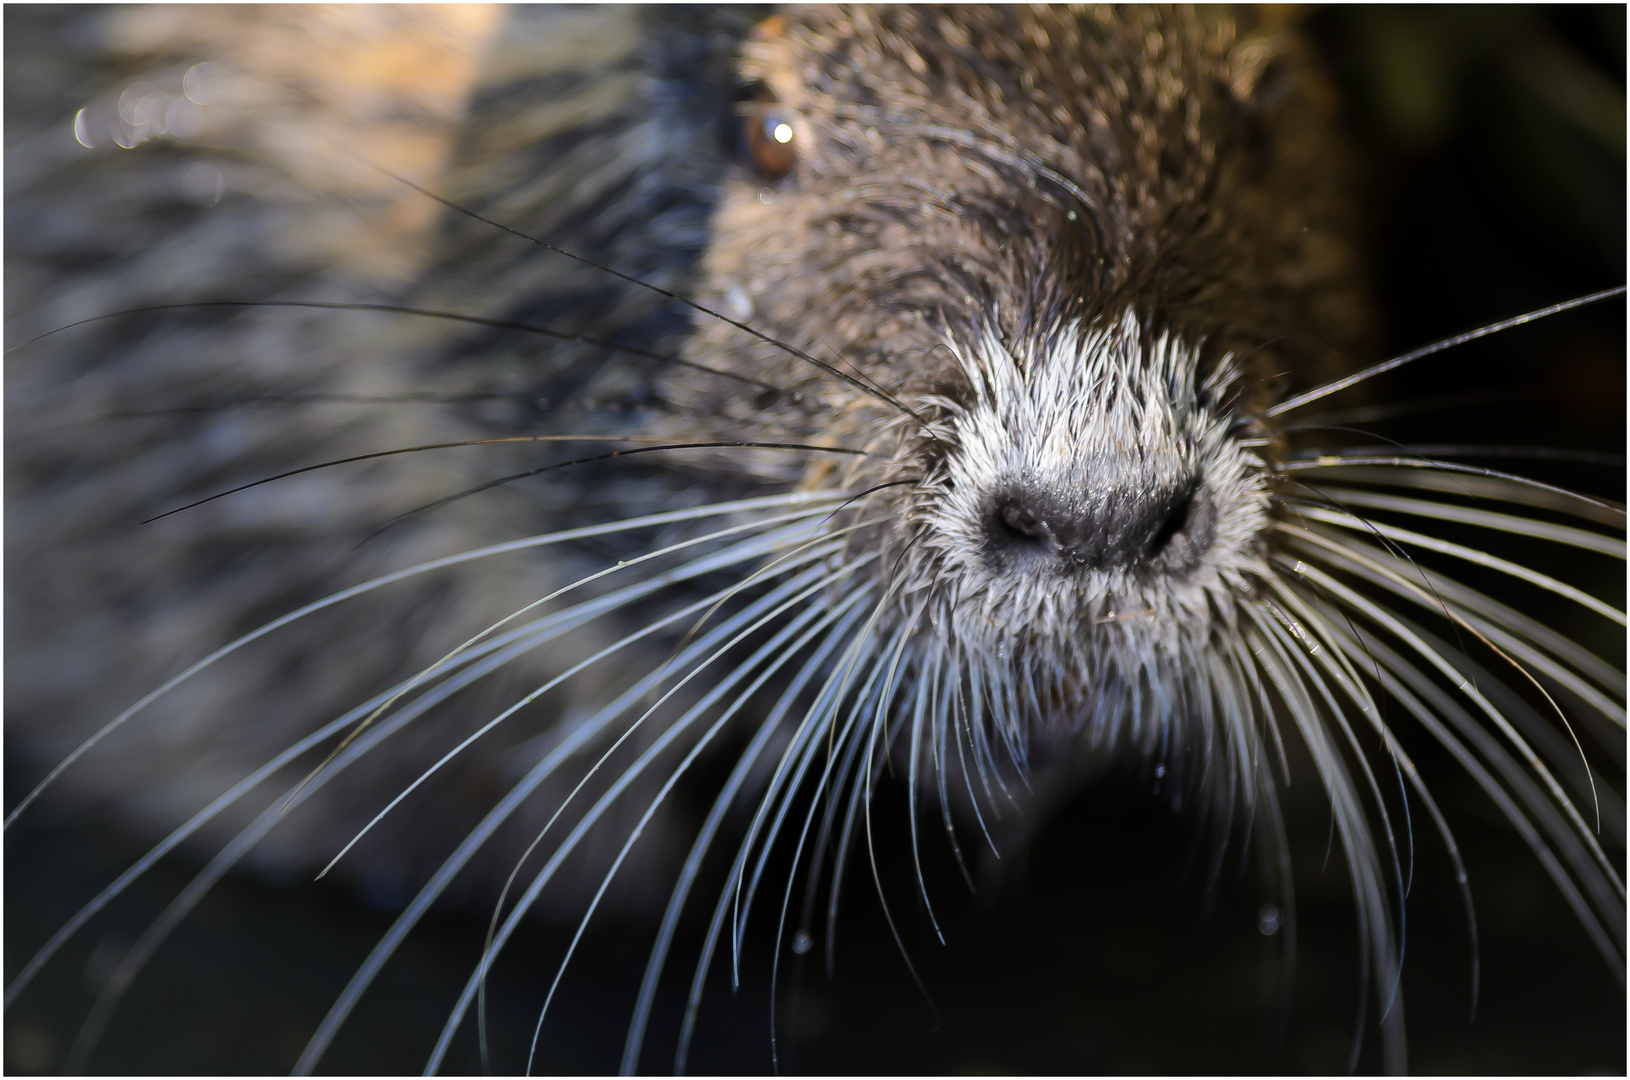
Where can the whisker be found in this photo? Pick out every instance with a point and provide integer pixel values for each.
(942, 763)
(1438, 707)
(785, 782)
(865, 386)
(1373, 924)
(1369, 414)
(706, 564)
(1415, 474)
(1458, 620)
(1488, 519)
(1346, 675)
(1395, 625)
(769, 649)
(873, 661)
(286, 474)
(1310, 657)
(160, 929)
(650, 628)
(1513, 630)
(576, 739)
(400, 309)
(819, 499)
(734, 626)
(500, 651)
(865, 779)
(1355, 561)
(753, 610)
(836, 624)
(1339, 462)
(1442, 450)
(921, 693)
(959, 726)
(1471, 555)
(820, 718)
(1436, 347)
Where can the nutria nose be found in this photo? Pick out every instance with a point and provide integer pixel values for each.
(1032, 525)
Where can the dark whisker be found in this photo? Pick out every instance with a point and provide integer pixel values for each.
(489, 442)
(490, 484)
(866, 386)
(401, 309)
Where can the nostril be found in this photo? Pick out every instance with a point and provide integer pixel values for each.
(1020, 524)
(1175, 522)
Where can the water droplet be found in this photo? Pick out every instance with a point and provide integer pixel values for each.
(202, 82)
(82, 131)
(133, 96)
(202, 184)
(738, 302)
(1268, 920)
(183, 119)
(1160, 771)
(802, 942)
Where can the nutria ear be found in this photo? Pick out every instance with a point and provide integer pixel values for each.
(1253, 64)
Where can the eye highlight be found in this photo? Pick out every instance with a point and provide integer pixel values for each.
(772, 143)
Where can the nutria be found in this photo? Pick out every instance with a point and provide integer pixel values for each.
(995, 320)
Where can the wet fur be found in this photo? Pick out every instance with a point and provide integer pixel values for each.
(1235, 243)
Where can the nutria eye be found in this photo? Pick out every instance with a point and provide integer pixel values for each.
(771, 141)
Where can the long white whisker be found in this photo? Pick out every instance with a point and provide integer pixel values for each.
(865, 779)
(617, 568)
(1471, 472)
(1487, 519)
(872, 660)
(577, 737)
(1434, 658)
(942, 730)
(784, 783)
(821, 498)
(799, 624)
(836, 623)
(160, 929)
(1348, 679)
(1530, 630)
(732, 627)
(1520, 491)
(232, 795)
(1438, 707)
(921, 693)
(798, 751)
(1468, 554)
(1375, 930)
(1437, 346)
(609, 650)
(959, 725)
(1489, 618)
(503, 649)
(1368, 651)
(1471, 691)
(861, 650)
